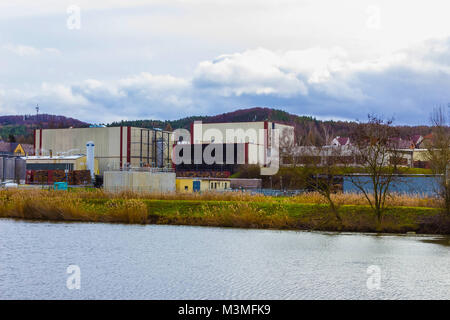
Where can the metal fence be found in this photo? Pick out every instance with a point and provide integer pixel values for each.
(144, 169)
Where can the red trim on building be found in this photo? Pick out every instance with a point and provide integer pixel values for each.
(192, 133)
(34, 141)
(246, 153)
(173, 156)
(266, 140)
(128, 145)
(121, 146)
(40, 142)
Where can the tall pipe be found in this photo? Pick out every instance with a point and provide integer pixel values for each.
(90, 155)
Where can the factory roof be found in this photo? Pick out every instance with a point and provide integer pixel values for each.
(71, 157)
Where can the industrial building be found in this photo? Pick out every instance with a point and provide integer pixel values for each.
(232, 155)
(115, 147)
(69, 163)
(258, 133)
(189, 185)
(234, 144)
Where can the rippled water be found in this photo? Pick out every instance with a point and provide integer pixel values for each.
(176, 262)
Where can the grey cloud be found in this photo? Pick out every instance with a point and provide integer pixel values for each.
(317, 82)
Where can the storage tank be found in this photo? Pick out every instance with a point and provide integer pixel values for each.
(9, 168)
(90, 154)
(20, 170)
(1, 169)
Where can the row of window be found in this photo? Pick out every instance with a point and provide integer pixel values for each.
(220, 184)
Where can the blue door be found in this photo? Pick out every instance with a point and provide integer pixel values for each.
(196, 186)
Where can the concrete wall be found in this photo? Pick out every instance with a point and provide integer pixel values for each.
(116, 181)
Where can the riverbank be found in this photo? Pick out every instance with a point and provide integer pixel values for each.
(303, 212)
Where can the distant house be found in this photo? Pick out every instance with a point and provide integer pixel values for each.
(399, 143)
(417, 140)
(426, 141)
(16, 149)
(340, 141)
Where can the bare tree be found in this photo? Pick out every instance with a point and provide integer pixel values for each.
(289, 146)
(376, 152)
(322, 165)
(328, 134)
(323, 172)
(439, 154)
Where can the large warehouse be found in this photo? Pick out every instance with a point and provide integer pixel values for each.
(241, 142)
(258, 136)
(115, 147)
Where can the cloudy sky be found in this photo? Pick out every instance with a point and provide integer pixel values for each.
(101, 61)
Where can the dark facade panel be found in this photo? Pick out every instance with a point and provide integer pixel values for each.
(238, 156)
(50, 166)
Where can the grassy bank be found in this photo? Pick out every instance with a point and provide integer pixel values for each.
(304, 212)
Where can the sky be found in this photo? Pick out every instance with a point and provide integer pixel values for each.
(102, 61)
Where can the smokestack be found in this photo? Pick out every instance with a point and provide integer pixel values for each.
(90, 154)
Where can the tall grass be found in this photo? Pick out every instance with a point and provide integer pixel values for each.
(233, 209)
(57, 205)
(409, 200)
(394, 200)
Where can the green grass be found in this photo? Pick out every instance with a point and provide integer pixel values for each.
(219, 211)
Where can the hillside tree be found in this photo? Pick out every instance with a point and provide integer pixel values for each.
(438, 152)
(373, 149)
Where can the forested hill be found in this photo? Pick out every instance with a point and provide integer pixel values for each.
(242, 115)
(20, 128)
(304, 125)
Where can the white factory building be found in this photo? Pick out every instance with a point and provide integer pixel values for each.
(259, 137)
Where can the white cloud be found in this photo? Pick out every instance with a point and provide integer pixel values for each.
(316, 80)
(62, 94)
(257, 72)
(306, 59)
(23, 50)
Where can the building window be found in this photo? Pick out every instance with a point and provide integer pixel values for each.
(186, 188)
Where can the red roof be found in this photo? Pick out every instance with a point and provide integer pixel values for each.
(342, 141)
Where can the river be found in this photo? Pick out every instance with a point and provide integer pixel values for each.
(178, 262)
